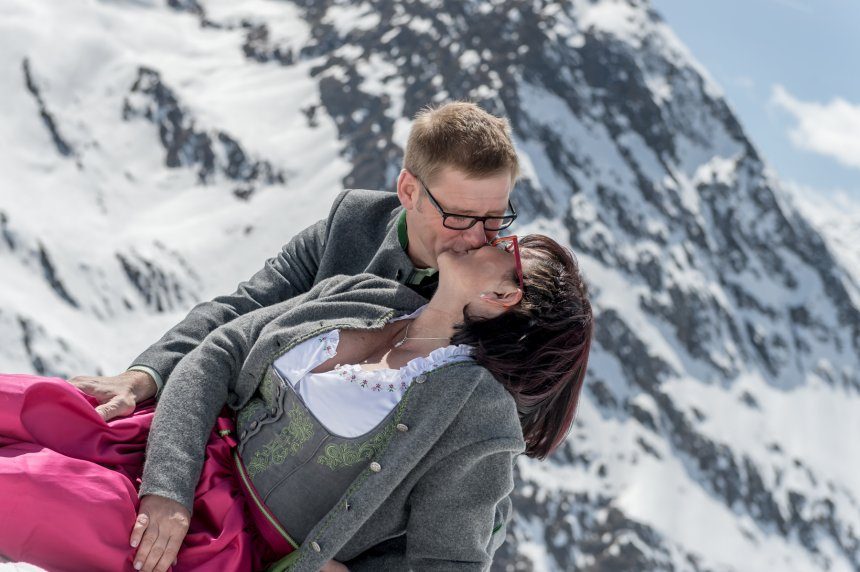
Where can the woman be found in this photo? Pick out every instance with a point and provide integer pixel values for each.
(373, 429)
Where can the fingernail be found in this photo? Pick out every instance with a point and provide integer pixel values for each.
(133, 543)
(138, 565)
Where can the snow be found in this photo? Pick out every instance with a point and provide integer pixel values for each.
(84, 86)
(660, 87)
(421, 25)
(282, 19)
(836, 215)
(348, 17)
(469, 59)
(618, 18)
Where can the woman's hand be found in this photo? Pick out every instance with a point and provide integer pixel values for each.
(334, 566)
(160, 528)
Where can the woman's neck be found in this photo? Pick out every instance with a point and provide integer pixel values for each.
(437, 321)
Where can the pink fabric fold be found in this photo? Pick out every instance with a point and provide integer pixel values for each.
(69, 481)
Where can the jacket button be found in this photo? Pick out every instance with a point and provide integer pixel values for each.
(402, 427)
(375, 467)
(421, 378)
(315, 546)
(242, 436)
(254, 425)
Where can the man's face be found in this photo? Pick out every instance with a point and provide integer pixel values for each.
(455, 193)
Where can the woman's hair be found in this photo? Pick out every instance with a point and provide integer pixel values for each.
(461, 135)
(539, 348)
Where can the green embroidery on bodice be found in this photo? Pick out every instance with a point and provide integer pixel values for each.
(288, 442)
(339, 455)
(347, 454)
(269, 387)
(251, 408)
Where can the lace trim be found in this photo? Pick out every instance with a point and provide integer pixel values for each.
(388, 379)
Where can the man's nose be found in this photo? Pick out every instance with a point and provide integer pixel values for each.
(476, 236)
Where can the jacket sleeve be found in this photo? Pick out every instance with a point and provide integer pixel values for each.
(291, 272)
(199, 388)
(459, 509)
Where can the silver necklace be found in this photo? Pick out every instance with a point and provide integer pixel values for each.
(406, 337)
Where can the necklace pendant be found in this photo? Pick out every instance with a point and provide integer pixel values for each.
(400, 343)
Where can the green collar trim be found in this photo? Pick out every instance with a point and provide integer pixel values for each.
(402, 235)
(418, 276)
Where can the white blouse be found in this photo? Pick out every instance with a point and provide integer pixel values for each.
(347, 400)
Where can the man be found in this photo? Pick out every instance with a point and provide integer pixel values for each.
(453, 194)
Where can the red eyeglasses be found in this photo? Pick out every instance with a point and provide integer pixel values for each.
(510, 244)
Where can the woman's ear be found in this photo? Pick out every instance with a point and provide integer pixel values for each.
(503, 299)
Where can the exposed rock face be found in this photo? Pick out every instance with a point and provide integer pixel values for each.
(62, 146)
(725, 376)
(211, 154)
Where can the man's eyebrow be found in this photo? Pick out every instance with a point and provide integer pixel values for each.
(475, 213)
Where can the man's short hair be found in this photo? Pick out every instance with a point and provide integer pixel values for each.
(461, 135)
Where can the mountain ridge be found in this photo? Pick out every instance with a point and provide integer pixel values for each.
(726, 327)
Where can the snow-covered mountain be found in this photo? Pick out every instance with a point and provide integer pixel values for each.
(156, 153)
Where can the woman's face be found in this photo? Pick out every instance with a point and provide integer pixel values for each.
(485, 277)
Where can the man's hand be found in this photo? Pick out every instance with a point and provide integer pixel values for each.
(334, 566)
(117, 395)
(160, 528)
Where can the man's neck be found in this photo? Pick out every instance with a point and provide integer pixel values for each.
(413, 248)
(417, 256)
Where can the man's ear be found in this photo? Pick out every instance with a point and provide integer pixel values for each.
(503, 299)
(407, 189)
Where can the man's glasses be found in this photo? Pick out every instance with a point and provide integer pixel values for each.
(511, 244)
(463, 222)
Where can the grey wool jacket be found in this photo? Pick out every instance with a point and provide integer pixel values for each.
(440, 500)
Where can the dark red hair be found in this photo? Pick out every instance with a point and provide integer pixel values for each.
(539, 348)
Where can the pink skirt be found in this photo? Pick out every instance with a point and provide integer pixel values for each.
(69, 482)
